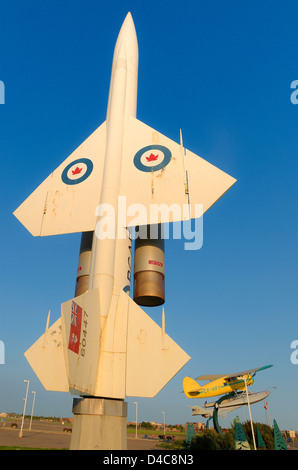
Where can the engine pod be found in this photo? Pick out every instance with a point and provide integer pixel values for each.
(84, 264)
(149, 272)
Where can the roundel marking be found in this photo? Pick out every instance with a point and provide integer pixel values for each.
(77, 171)
(152, 158)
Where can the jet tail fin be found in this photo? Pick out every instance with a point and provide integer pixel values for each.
(153, 358)
(46, 357)
(122, 354)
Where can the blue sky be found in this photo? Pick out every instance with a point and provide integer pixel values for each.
(220, 71)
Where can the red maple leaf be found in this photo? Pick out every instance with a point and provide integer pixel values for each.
(152, 158)
(77, 171)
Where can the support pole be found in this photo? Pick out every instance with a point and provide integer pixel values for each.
(215, 411)
(251, 424)
(99, 424)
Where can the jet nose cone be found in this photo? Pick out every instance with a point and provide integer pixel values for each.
(128, 20)
(127, 43)
(127, 28)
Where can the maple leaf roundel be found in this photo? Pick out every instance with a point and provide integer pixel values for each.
(77, 171)
(152, 158)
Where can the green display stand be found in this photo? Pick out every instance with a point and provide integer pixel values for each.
(260, 440)
(215, 412)
(190, 434)
(241, 442)
(279, 442)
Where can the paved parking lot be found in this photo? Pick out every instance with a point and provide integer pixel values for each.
(51, 436)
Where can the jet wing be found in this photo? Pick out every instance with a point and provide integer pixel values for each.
(160, 180)
(46, 358)
(235, 374)
(65, 201)
(157, 171)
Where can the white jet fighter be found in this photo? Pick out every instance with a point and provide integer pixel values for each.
(104, 344)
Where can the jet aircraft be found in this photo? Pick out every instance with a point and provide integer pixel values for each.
(104, 344)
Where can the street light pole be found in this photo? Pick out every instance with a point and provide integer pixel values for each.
(34, 393)
(23, 418)
(252, 429)
(164, 423)
(136, 403)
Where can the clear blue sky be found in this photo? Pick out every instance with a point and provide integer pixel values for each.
(221, 71)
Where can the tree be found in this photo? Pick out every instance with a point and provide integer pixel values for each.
(265, 431)
(211, 440)
(147, 425)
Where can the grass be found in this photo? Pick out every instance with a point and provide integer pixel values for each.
(25, 448)
(156, 433)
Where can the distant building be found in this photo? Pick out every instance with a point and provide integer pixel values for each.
(197, 426)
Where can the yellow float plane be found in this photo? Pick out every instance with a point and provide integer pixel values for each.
(220, 383)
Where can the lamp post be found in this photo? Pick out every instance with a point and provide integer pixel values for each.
(164, 423)
(23, 418)
(34, 394)
(252, 429)
(136, 403)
